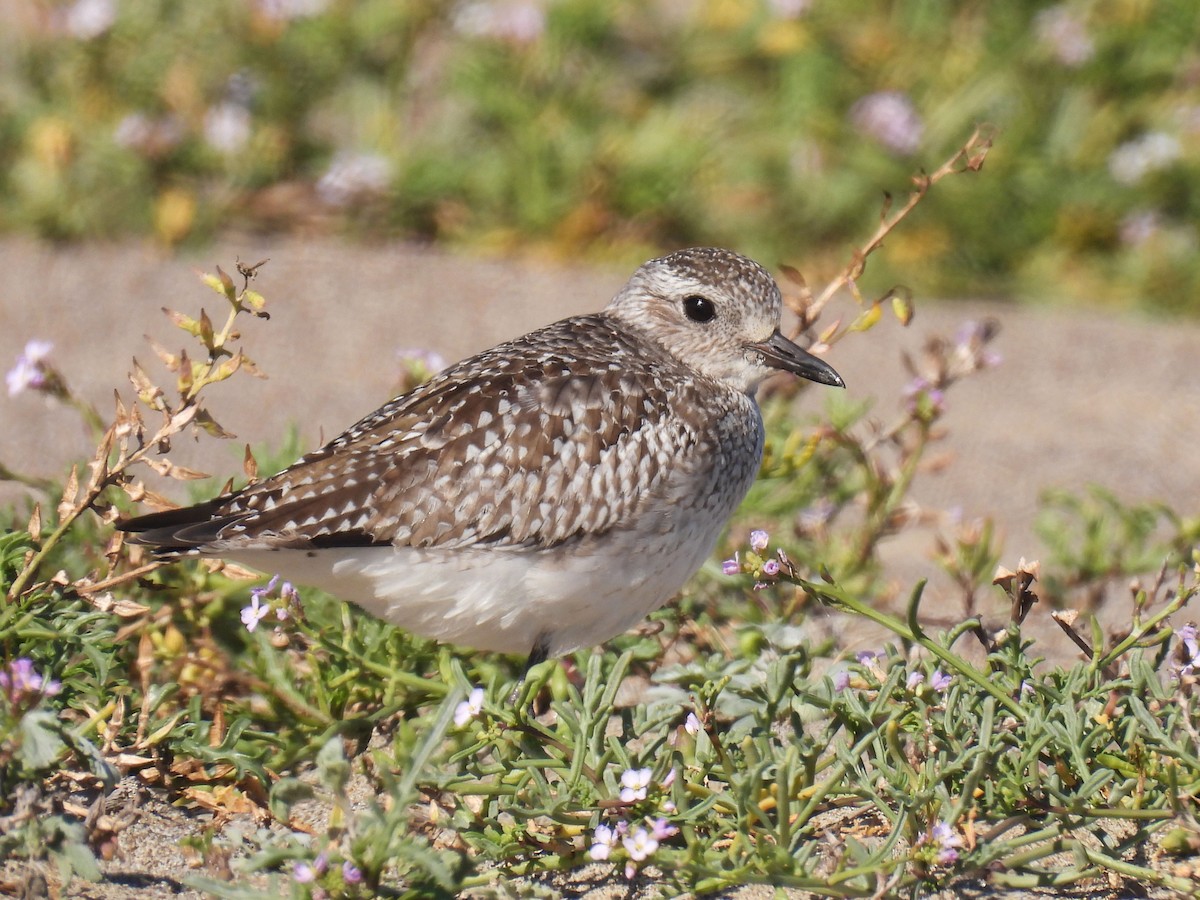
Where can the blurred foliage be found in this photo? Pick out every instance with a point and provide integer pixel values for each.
(612, 127)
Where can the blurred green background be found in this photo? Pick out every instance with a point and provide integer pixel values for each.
(614, 128)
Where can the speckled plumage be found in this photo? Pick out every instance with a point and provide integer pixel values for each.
(543, 495)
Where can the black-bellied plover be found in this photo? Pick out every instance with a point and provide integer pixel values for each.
(541, 496)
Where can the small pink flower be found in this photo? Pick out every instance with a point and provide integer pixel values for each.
(29, 373)
(732, 566)
(603, 841)
(759, 540)
(470, 708)
(891, 120)
(20, 681)
(661, 829)
(692, 724)
(634, 785)
(943, 837)
(940, 681)
(640, 845)
(351, 874)
(255, 612)
(771, 567)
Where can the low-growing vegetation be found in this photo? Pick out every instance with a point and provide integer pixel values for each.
(734, 739)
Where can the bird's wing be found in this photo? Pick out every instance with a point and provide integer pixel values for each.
(531, 443)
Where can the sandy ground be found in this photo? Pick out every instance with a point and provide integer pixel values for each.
(1080, 398)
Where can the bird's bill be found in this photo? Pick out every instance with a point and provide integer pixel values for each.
(781, 353)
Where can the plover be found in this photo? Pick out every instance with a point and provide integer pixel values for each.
(541, 496)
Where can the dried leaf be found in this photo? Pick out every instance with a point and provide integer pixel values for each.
(99, 463)
(70, 491)
(187, 374)
(130, 761)
(792, 274)
(227, 287)
(826, 336)
(170, 360)
(206, 331)
(139, 493)
(238, 573)
(148, 392)
(187, 323)
(181, 419)
(250, 465)
(250, 368)
(35, 523)
(106, 603)
(168, 469)
(206, 421)
(225, 369)
(225, 801)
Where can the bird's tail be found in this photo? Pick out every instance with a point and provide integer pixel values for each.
(177, 532)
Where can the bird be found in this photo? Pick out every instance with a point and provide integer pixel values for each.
(539, 497)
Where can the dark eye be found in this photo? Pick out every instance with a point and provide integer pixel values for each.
(698, 309)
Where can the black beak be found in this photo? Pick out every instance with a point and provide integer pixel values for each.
(781, 353)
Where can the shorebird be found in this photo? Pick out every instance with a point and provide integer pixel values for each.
(541, 496)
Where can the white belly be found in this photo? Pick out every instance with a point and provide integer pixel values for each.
(507, 600)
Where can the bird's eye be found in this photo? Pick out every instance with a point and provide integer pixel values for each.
(698, 309)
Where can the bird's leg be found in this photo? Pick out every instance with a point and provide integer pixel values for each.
(538, 655)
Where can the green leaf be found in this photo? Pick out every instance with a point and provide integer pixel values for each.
(41, 740)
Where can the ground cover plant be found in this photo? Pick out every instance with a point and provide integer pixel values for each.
(615, 127)
(731, 740)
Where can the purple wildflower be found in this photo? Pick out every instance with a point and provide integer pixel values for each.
(635, 783)
(428, 360)
(940, 681)
(20, 681)
(890, 119)
(732, 566)
(1138, 228)
(771, 567)
(351, 874)
(759, 540)
(922, 397)
(661, 829)
(263, 591)
(640, 845)
(1060, 29)
(915, 680)
(841, 680)
(302, 873)
(603, 841)
(945, 841)
(692, 724)
(255, 612)
(516, 21)
(30, 372)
